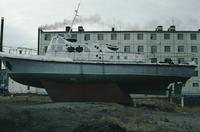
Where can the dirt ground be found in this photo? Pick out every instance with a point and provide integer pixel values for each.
(39, 114)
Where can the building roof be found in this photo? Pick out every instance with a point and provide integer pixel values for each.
(127, 31)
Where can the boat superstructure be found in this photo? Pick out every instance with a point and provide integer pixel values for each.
(98, 53)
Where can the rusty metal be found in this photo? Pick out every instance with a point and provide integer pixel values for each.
(60, 92)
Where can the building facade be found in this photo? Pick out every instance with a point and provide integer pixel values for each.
(157, 45)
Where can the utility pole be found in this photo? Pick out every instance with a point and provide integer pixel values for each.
(1, 37)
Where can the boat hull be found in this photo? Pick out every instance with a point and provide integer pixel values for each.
(59, 78)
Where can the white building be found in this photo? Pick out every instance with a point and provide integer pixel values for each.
(157, 45)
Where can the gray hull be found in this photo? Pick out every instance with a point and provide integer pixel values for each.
(130, 78)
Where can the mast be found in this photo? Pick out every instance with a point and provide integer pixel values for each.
(76, 14)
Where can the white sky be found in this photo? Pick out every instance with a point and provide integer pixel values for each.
(23, 17)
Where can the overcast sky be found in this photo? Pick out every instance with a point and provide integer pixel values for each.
(23, 17)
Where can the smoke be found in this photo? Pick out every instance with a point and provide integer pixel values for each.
(94, 19)
(91, 20)
(97, 21)
(56, 25)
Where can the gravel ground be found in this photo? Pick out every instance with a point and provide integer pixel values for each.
(39, 114)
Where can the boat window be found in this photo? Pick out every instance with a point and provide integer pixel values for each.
(118, 57)
(111, 57)
(70, 49)
(71, 40)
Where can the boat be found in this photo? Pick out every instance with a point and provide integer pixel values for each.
(79, 72)
(71, 71)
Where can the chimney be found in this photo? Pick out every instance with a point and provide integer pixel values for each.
(39, 37)
(67, 28)
(159, 28)
(80, 29)
(172, 28)
(1, 37)
(113, 29)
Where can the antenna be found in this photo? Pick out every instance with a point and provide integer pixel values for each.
(76, 14)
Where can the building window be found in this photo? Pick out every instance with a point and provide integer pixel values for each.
(140, 49)
(195, 84)
(139, 36)
(87, 37)
(193, 36)
(196, 73)
(127, 49)
(153, 36)
(153, 60)
(45, 49)
(99, 36)
(166, 36)
(194, 49)
(181, 48)
(125, 57)
(113, 36)
(167, 49)
(180, 36)
(74, 36)
(153, 49)
(47, 37)
(127, 36)
(195, 60)
(181, 60)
